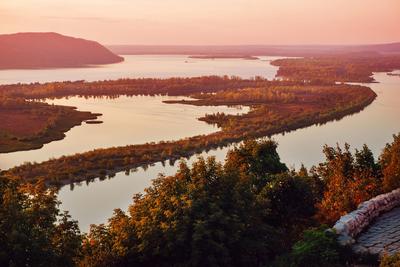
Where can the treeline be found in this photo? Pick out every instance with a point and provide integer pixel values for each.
(314, 105)
(338, 68)
(250, 211)
(141, 86)
(245, 96)
(281, 94)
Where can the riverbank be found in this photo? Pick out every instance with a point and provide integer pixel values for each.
(28, 125)
(262, 120)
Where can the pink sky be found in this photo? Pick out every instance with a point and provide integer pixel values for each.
(208, 21)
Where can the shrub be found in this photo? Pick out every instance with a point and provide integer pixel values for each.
(390, 260)
(318, 247)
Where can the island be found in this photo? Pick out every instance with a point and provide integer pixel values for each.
(51, 50)
(310, 91)
(223, 56)
(27, 125)
(275, 107)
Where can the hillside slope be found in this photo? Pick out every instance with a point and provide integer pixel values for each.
(51, 50)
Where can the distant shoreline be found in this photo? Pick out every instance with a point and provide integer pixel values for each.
(246, 57)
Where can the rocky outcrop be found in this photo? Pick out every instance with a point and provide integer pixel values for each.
(350, 225)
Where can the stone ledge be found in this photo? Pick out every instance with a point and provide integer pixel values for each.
(350, 225)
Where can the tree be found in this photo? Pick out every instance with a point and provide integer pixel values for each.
(290, 200)
(390, 162)
(255, 159)
(349, 180)
(32, 230)
(318, 247)
(206, 215)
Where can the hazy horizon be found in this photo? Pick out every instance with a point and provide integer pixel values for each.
(235, 22)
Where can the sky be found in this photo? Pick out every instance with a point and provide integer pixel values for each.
(212, 22)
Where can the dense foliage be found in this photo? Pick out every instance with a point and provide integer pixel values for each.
(317, 247)
(390, 260)
(33, 232)
(390, 162)
(235, 214)
(249, 211)
(351, 179)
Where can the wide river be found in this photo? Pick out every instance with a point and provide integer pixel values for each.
(135, 120)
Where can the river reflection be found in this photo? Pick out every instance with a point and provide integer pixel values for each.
(374, 126)
(133, 120)
(126, 121)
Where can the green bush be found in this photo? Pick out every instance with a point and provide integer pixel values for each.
(318, 247)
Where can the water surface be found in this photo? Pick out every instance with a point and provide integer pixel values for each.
(144, 119)
(126, 121)
(374, 126)
(147, 66)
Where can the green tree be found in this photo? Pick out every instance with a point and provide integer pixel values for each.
(255, 160)
(318, 247)
(289, 199)
(32, 230)
(206, 215)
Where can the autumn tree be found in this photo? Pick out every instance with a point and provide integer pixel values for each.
(349, 179)
(236, 214)
(390, 162)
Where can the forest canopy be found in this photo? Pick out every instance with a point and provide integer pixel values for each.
(250, 210)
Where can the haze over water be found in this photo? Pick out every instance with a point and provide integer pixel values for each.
(147, 66)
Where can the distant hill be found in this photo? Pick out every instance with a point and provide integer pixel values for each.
(253, 50)
(382, 48)
(51, 50)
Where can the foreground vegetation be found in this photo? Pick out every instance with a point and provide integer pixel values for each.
(249, 211)
(275, 109)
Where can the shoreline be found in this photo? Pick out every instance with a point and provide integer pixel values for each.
(119, 159)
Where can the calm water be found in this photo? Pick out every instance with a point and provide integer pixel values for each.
(150, 66)
(133, 120)
(126, 120)
(145, 119)
(374, 126)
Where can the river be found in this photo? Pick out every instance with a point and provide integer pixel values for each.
(144, 119)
